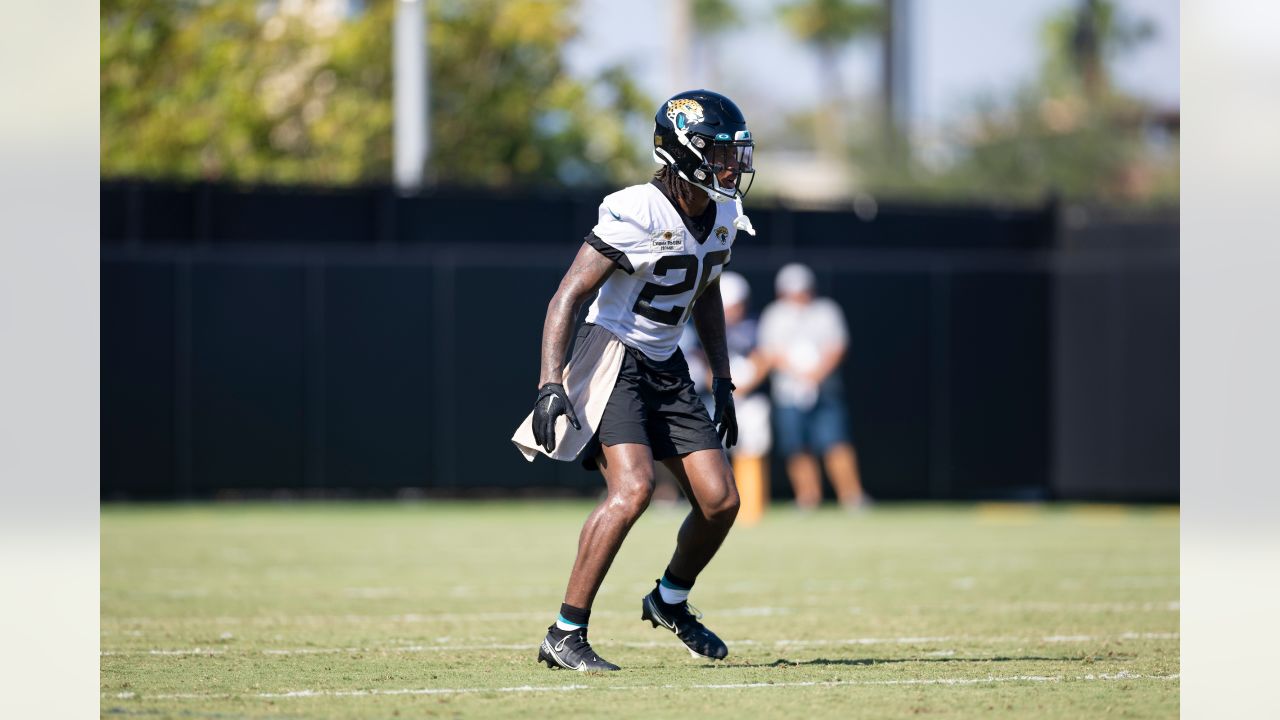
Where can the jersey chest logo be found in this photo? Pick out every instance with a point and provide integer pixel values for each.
(665, 241)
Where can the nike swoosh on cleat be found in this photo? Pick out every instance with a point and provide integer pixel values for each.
(554, 656)
(653, 610)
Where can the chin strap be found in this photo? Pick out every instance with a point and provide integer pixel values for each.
(742, 222)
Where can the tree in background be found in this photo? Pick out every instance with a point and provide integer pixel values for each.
(828, 27)
(1069, 133)
(294, 92)
(711, 20)
(1081, 43)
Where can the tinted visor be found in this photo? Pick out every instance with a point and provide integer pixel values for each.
(734, 157)
(731, 156)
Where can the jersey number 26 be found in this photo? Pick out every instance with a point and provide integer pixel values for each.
(688, 263)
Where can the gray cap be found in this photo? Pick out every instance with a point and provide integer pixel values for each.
(794, 278)
(733, 288)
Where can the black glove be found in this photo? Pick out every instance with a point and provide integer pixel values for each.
(726, 419)
(552, 402)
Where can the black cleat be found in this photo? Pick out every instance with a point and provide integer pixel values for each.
(572, 652)
(679, 620)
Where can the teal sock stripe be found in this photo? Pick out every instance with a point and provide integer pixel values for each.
(670, 585)
(560, 618)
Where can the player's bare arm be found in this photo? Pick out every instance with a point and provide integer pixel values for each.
(585, 276)
(708, 320)
(587, 273)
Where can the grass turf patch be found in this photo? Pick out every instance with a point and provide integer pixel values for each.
(374, 610)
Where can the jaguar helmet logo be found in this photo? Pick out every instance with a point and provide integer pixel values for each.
(683, 112)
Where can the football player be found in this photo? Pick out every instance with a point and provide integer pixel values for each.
(625, 399)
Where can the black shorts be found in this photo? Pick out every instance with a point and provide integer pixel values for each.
(654, 404)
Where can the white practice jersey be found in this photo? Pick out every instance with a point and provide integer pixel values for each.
(662, 267)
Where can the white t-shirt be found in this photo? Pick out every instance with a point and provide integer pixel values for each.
(662, 267)
(801, 334)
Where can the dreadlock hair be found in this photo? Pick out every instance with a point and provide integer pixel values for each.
(676, 187)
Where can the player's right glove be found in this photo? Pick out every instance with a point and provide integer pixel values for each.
(552, 402)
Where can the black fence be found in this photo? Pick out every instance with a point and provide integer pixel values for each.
(356, 341)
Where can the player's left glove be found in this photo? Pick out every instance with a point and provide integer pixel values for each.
(726, 419)
(552, 402)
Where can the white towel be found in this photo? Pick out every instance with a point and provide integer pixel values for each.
(589, 378)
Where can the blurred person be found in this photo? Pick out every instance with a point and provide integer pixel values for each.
(746, 362)
(626, 396)
(803, 338)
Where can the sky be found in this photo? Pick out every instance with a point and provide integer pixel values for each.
(962, 49)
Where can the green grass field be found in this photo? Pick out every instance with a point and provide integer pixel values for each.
(435, 609)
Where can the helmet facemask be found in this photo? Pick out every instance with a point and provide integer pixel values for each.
(707, 164)
(734, 157)
(702, 136)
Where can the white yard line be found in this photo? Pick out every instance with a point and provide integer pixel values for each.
(1121, 636)
(720, 686)
(1163, 606)
(416, 617)
(187, 651)
(653, 644)
(1027, 606)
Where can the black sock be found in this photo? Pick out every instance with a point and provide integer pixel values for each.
(677, 580)
(570, 615)
(670, 579)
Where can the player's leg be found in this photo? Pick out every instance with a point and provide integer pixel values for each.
(628, 474)
(682, 435)
(707, 480)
